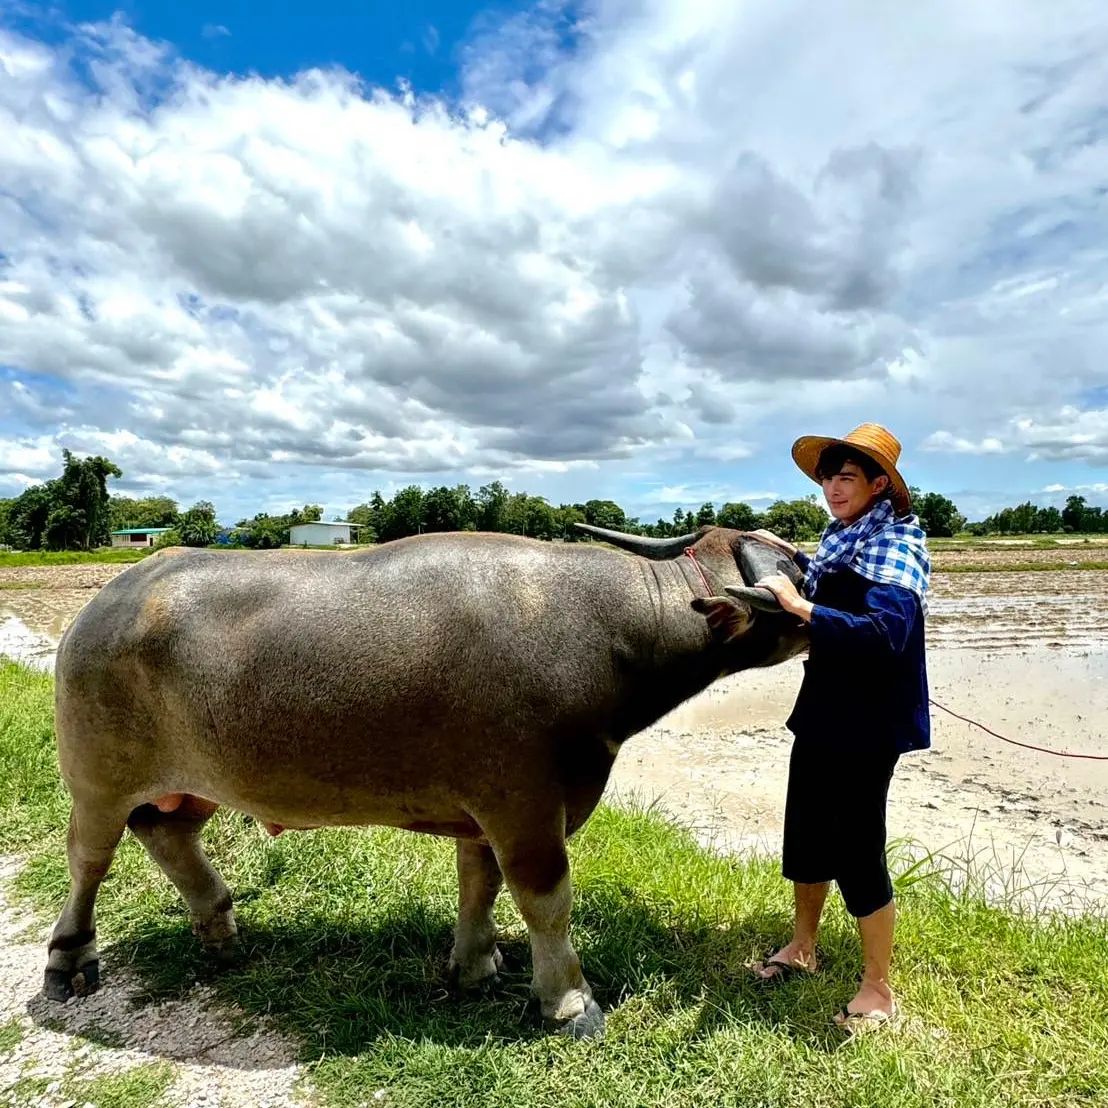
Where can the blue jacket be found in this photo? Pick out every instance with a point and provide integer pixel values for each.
(869, 637)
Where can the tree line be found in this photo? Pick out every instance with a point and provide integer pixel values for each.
(75, 511)
(1024, 519)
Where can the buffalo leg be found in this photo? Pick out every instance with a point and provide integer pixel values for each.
(475, 960)
(172, 839)
(537, 873)
(95, 828)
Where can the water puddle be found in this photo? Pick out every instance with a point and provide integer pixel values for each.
(21, 644)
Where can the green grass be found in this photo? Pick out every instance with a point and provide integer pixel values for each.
(14, 585)
(71, 557)
(11, 1035)
(1017, 566)
(140, 1087)
(348, 933)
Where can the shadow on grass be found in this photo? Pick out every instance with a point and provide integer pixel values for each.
(344, 990)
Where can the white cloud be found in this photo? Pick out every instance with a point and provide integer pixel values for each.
(1066, 434)
(945, 442)
(19, 457)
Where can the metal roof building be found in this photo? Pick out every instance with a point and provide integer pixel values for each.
(321, 534)
(137, 536)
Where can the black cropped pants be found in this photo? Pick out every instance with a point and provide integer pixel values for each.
(835, 816)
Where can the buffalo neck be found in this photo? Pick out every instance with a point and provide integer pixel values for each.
(669, 655)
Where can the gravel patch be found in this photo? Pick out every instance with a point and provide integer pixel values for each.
(69, 1045)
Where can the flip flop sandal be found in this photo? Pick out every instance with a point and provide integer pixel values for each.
(863, 1023)
(784, 970)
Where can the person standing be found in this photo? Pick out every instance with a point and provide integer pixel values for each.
(863, 703)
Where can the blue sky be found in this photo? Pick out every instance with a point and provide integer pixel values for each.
(266, 255)
(416, 41)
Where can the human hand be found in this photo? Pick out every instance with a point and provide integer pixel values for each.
(775, 540)
(787, 596)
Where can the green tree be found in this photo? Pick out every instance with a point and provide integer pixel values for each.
(70, 511)
(310, 513)
(741, 517)
(197, 526)
(1073, 514)
(80, 513)
(403, 514)
(565, 516)
(27, 516)
(1048, 520)
(492, 502)
(1023, 518)
(539, 518)
(441, 510)
(263, 532)
(467, 508)
(150, 511)
(937, 515)
(605, 513)
(683, 522)
(706, 515)
(796, 520)
(371, 516)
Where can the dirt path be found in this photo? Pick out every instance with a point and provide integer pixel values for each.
(64, 1049)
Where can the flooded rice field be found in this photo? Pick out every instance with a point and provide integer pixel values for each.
(1012, 611)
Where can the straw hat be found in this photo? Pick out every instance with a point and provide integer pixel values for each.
(871, 439)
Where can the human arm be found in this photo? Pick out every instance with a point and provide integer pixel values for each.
(884, 627)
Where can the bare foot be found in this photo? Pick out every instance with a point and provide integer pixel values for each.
(873, 1000)
(793, 957)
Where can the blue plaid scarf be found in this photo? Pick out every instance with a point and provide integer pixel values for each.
(880, 547)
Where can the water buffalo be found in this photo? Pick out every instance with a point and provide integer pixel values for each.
(476, 686)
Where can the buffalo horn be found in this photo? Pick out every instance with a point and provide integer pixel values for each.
(762, 599)
(657, 549)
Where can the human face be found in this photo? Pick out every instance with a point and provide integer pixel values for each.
(850, 495)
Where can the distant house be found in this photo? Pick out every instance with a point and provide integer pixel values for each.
(137, 536)
(322, 534)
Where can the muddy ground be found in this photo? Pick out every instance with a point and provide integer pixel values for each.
(1026, 653)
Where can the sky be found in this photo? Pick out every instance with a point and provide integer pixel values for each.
(268, 255)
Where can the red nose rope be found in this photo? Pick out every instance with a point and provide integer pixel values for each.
(690, 553)
(1014, 742)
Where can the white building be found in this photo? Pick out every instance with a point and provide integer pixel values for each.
(137, 536)
(321, 534)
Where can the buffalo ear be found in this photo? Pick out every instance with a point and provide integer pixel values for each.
(727, 618)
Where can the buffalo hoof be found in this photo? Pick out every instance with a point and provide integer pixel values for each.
(588, 1025)
(227, 952)
(59, 985)
(481, 987)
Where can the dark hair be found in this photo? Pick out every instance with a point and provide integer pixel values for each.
(834, 457)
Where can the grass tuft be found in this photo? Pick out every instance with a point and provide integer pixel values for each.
(139, 1087)
(11, 1035)
(349, 930)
